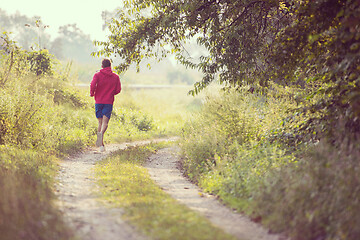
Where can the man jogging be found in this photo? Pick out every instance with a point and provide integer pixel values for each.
(104, 86)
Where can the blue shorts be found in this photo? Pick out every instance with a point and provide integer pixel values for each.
(103, 109)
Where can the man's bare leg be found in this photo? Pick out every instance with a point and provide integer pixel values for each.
(104, 126)
(100, 124)
(99, 140)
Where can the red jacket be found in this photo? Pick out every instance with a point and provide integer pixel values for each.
(104, 86)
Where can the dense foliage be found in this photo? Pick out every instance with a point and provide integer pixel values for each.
(228, 146)
(321, 50)
(315, 198)
(233, 32)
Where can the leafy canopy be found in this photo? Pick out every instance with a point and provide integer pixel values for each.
(235, 33)
(321, 49)
(313, 45)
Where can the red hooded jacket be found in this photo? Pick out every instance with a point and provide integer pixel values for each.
(104, 86)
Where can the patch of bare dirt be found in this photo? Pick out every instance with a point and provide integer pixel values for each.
(162, 167)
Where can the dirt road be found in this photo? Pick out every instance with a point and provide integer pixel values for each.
(92, 220)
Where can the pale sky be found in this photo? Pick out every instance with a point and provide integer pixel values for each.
(85, 13)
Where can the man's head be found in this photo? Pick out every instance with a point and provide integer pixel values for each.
(106, 63)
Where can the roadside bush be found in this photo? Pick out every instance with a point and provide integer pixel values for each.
(141, 121)
(131, 123)
(17, 62)
(21, 114)
(66, 96)
(31, 120)
(310, 191)
(228, 127)
(40, 62)
(316, 198)
(68, 130)
(240, 171)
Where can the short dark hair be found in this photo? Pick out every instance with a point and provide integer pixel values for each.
(106, 63)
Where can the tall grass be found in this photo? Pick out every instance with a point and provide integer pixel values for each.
(31, 119)
(34, 131)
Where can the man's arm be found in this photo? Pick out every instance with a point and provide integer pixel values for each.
(93, 85)
(118, 87)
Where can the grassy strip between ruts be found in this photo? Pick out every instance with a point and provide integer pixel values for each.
(126, 183)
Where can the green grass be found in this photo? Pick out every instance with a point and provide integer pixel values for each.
(125, 183)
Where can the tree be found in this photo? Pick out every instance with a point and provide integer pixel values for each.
(235, 33)
(322, 47)
(15, 60)
(73, 43)
(313, 45)
(27, 31)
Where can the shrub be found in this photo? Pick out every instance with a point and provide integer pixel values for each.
(21, 113)
(316, 198)
(130, 124)
(70, 97)
(243, 168)
(225, 124)
(142, 121)
(40, 62)
(309, 191)
(31, 120)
